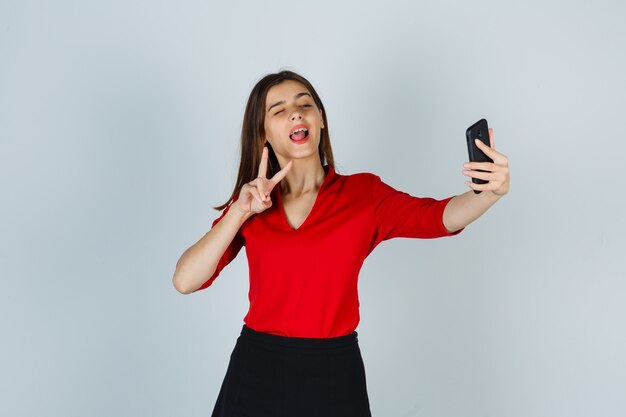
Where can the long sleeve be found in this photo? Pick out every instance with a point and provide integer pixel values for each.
(399, 214)
(229, 254)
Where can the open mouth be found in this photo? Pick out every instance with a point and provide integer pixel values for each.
(299, 134)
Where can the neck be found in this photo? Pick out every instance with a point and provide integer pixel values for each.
(305, 176)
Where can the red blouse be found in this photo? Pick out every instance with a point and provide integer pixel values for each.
(303, 282)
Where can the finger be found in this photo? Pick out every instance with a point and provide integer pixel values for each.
(487, 176)
(263, 164)
(486, 149)
(492, 177)
(496, 156)
(260, 184)
(260, 187)
(251, 190)
(500, 171)
(481, 166)
(281, 174)
(255, 193)
(480, 187)
(491, 137)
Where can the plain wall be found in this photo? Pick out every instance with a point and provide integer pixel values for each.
(119, 131)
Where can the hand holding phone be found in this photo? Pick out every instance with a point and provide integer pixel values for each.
(479, 130)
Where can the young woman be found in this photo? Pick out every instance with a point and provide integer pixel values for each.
(307, 230)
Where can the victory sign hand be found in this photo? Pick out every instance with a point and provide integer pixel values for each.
(254, 196)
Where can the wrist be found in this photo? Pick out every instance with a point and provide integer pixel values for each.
(239, 212)
(491, 196)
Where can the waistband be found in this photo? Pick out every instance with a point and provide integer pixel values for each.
(304, 342)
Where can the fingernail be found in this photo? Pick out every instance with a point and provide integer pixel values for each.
(477, 141)
(466, 165)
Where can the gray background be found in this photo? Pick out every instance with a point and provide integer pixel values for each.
(119, 130)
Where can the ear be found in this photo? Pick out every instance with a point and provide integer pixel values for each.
(321, 119)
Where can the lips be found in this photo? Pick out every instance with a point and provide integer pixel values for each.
(301, 134)
(298, 127)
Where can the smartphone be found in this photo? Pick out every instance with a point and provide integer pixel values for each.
(478, 130)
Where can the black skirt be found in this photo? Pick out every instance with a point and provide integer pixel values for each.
(278, 376)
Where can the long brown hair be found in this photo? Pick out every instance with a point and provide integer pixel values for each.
(253, 132)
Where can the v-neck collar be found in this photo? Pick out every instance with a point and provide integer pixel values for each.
(330, 172)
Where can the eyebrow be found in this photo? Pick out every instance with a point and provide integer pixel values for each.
(297, 96)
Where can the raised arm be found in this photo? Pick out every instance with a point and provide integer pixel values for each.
(199, 262)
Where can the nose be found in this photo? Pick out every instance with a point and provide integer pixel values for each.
(296, 116)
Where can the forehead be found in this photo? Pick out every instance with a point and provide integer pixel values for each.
(284, 91)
